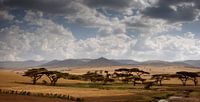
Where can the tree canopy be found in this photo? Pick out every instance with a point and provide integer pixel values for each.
(35, 74)
(54, 76)
(184, 76)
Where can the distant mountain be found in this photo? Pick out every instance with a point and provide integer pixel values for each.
(51, 63)
(86, 60)
(194, 63)
(156, 63)
(65, 63)
(164, 63)
(124, 61)
(20, 64)
(101, 62)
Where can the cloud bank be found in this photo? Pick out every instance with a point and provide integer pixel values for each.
(129, 29)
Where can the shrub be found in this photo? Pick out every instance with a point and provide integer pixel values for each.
(163, 96)
(72, 98)
(68, 97)
(28, 93)
(79, 99)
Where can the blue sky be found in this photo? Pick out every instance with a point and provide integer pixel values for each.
(129, 29)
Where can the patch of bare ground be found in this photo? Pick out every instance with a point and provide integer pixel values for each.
(121, 98)
(19, 98)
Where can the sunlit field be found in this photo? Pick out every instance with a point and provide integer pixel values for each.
(116, 91)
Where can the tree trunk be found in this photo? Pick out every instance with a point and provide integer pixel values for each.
(183, 81)
(52, 82)
(34, 80)
(195, 81)
(160, 82)
(105, 81)
(134, 82)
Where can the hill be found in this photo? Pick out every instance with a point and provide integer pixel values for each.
(102, 62)
(64, 63)
(194, 63)
(125, 61)
(20, 64)
(164, 63)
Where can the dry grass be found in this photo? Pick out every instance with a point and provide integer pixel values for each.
(19, 98)
(151, 69)
(10, 80)
(13, 80)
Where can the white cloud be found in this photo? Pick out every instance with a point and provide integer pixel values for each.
(53, 41)
(145, 25)
(169, 47)
(48, 41)
(113, 46)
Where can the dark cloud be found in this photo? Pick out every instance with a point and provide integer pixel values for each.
(50, 6)
(68, 7)
(116, 4)
(174, 10)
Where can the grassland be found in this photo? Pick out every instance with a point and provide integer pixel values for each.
(19, 98)
(116, 92)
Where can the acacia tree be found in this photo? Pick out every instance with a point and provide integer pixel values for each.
(128, 75)
(184, 76)
(123, 74)
(35, 74)
(160, 77)
(92, 76)
(138, 75)
(96, 77)
(107, 78)
(54, 76)
(138, 71)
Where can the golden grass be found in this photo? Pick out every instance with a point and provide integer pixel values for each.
(19, 98)
(151, 69)
(11, 80)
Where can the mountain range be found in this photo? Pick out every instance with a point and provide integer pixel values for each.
(20, 64)
(100, 62)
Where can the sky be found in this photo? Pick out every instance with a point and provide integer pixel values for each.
(140, 30)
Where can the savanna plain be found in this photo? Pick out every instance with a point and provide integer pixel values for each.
(88, 91)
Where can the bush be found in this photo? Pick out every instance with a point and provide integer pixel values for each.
(79, 99)
(68, 97)
(72, 98)
(28, 93)
(163, 96)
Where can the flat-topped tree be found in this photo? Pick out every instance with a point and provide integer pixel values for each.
(138, 71)
(35, 74)
(54, 76)
(135, 78)
(160, 77)
(184, 76)
(93, 76)
(123, 73)
(129, 76)
(126, 70)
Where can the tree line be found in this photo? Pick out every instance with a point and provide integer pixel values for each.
(125, 75)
